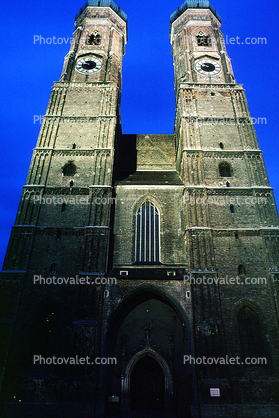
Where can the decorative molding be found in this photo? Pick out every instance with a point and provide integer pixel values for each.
(81, 86)
(42, 152)
(80, 152)
(69, 191)
(77, 119)
(223, 155)
(208, 87)
(52, 231)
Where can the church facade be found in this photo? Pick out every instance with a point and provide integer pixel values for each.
(154, 256)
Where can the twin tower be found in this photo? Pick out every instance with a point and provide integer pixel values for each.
(153, 257)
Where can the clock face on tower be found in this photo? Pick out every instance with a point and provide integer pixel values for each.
(208, 67)
(88, 65)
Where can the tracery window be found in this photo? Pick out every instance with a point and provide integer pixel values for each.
(147, 234)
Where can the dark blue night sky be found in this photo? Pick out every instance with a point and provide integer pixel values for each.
(29, 69)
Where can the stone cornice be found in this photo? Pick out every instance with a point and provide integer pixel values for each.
(215, 154)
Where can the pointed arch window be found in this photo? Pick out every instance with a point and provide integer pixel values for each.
(148, 234)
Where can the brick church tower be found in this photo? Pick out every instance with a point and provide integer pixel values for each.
(156, 256)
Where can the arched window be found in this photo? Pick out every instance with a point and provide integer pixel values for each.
(71, 183)
(63, 207)
(250, 333)
(221, 145)
(69, 169)
(232, 208)
(225, 170)
(147, 233)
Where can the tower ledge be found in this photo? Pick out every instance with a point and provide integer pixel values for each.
(103, 3)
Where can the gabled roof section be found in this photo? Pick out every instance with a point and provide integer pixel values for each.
(103, 3)
(193, 4)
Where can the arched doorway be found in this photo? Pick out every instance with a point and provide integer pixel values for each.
(148, 323)
(147, 385)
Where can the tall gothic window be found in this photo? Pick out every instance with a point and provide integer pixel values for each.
(250, 333)
(147, 233)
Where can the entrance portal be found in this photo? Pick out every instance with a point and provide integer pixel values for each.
(147, 385)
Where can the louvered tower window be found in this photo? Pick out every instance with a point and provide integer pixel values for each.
(203, 40)
(148, 234)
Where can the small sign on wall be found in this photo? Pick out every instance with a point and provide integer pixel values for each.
(214, 392)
